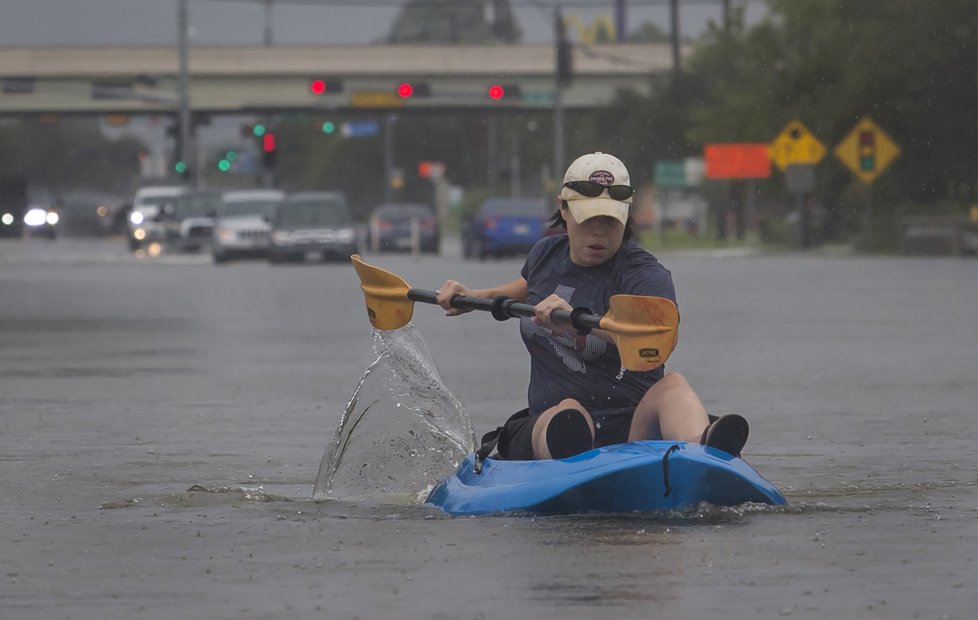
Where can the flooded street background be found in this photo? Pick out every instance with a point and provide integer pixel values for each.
(162, 423)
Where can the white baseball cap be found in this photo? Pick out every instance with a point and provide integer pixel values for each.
(603, 169)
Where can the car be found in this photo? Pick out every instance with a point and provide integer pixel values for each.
(313, 225)
(41, 220)
(146, 219)
(189, 220)
(504, 226)
(241, 224)
(392, 228)
(40, 216)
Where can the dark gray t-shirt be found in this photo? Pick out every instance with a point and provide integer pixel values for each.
(586, 368)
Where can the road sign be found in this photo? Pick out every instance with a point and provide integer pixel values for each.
(737, 161)
(538, 96)
(670, 173)
(679, 172)
(359, 129)
(375, 99)
(800, 179)
(867, 150)
(795, 145)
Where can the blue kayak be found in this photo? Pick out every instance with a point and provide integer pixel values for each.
(630, 477)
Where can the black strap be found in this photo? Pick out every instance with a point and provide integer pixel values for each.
(489, 441)
(665, 468)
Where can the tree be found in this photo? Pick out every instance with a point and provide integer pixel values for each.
(454, 21)
(908, 65)
(68, 154)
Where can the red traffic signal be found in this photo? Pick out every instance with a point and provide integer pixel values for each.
(867, 151)
(406, 90)
(504, 91)
(269, 150)
(319, 86)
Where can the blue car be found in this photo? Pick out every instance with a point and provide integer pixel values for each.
(504, 227)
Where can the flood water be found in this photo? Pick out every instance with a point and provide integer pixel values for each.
(162, 424)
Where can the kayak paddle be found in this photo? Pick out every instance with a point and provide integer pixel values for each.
(643, 328)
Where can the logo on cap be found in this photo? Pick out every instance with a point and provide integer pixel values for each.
(602, 176)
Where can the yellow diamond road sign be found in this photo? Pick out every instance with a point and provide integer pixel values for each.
(867, 150)
(795, 145)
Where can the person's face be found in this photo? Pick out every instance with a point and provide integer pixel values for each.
(593, 241)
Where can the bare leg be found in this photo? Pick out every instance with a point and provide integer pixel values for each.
(670, 410)
(539, 436)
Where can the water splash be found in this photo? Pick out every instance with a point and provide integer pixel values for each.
(416, 432)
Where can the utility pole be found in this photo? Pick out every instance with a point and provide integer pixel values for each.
(267, 38)
(389, 121)
(621, 26)
(184, 150)
(563, 75)
(674, 33)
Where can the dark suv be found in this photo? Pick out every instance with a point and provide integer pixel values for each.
(313, 225)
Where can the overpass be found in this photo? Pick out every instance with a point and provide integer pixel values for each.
(247, 79)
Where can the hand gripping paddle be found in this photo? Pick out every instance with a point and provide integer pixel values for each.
(643, 328)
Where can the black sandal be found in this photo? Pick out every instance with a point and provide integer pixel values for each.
(728, 433)
(568, 434)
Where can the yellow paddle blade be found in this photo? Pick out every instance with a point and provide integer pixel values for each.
(644, 328)
(388, 306)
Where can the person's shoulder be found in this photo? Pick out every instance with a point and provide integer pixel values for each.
(635, 255)
(547, 246)
(641, 273)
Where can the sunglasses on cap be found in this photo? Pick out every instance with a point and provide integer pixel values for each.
(593, 190)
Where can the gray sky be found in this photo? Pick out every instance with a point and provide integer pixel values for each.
(153, 22)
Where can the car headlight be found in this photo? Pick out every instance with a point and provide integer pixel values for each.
(52, 218)
(225, 234)
(136, 218)
(7, 219)
(35, 217)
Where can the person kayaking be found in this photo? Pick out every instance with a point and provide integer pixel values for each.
(579, 396)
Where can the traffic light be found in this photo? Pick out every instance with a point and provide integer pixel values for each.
(320, 86)
(497, 92)
(258, 130)
(867, 151)
(269, 149)
(329, 127)
(407, 90)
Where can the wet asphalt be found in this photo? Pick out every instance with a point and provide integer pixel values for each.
(162, 421)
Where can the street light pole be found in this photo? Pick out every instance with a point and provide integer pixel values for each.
(184, 150)
(268, 23)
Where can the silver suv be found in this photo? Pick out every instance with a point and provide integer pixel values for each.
(241, 227)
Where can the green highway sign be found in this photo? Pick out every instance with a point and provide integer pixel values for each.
(538, 96)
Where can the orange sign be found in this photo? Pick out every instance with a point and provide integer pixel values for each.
(737, 161)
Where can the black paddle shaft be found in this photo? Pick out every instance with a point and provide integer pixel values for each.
(503, 308)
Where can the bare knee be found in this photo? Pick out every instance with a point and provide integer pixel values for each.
(672, 381)
(541, 438)
(670, 410)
